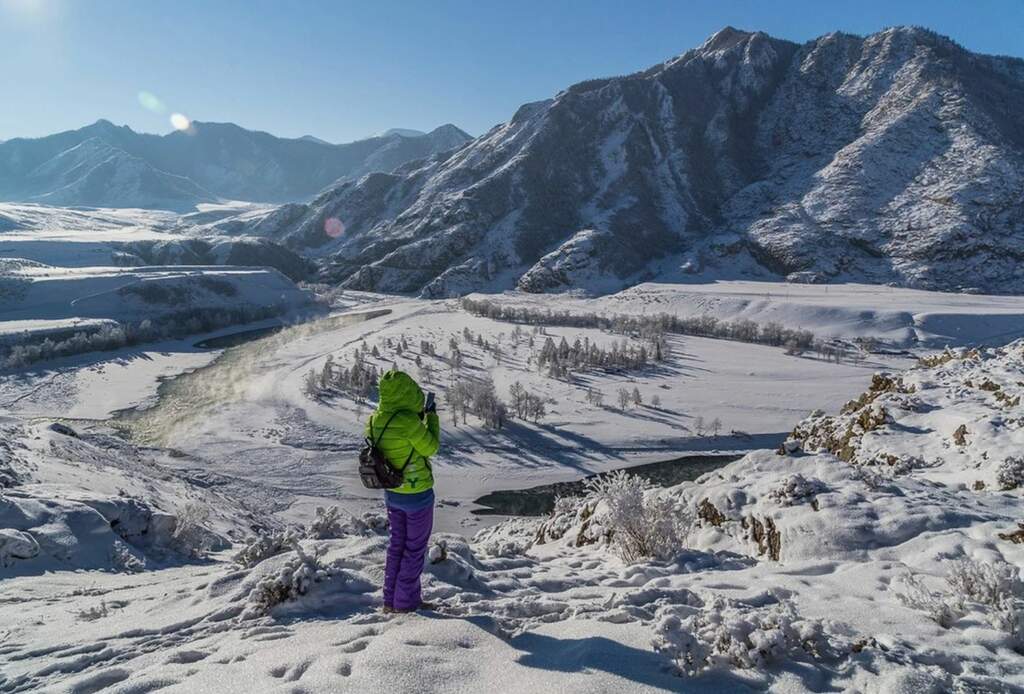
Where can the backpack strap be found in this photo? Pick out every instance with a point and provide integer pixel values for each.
(374, 443)
(381, 435)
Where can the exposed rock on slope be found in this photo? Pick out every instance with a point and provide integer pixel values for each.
(893, 158)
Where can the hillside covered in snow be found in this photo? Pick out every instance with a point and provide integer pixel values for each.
(103, 165)
(893, 158)
(875, 547)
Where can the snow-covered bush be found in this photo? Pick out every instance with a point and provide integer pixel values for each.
(191, 535)
(504, 549)
(988, 584)
(328, 524)
(993, 588)
(1010, 473)
(796, 489)
(125, 559)
(726, 634)
(1008, 616)
(943, 609)
(569, 512)
(292, 580)
(642, 525)
(265, 546)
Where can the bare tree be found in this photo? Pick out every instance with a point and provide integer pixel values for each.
(624, 397)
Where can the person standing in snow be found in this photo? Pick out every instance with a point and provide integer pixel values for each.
(407, 431)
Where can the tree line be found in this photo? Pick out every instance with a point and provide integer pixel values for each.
(115, 335)
(650, 326)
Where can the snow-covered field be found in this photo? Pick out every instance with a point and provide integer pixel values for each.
(803, 571)
(786, 571)
(248, 413)
(902, 317)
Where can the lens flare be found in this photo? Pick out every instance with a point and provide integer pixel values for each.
(150, 102)
(180, 121)
(334, 227)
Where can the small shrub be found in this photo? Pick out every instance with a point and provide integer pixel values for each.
(292, 580)
(944, 610)
(91, 614)
(327, 525)
(641, 525)
(263, 547)
(727, 634)
(191, 535)
(1010, 474)
(995, 589)
(988, 584)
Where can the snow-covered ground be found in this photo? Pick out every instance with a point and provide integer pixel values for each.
(787, 576)
(77, 237)
(802, 571)
(248, 413)
(902, 317)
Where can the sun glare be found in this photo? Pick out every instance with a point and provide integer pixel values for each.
(180, 121)
(334, 227)
(150, 102)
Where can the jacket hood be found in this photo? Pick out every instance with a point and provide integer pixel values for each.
(398, 391)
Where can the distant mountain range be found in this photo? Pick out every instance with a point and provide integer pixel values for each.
(898, 157)
(104, 165)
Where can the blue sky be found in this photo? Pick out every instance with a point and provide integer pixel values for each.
(343, 70)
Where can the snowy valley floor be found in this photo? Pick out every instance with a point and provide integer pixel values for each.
(878, 554)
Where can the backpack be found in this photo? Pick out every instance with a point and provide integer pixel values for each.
(375, 470)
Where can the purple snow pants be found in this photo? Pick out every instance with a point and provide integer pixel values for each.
(410, 531)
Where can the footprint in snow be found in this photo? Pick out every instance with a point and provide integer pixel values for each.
(185, 657)
(355, 646)
(99, 680)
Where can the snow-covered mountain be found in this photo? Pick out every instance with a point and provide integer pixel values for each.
(898, 157)
(106, 165)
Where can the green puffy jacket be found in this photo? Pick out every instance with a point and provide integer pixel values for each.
(407, 437)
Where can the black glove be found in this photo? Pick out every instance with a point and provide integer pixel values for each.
(430, 405)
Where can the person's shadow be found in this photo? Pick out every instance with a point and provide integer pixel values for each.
(598, 653)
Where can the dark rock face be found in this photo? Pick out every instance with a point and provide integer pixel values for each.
(893, 158)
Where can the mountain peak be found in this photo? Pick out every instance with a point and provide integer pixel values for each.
(402, 132)
(724, 39)
(449, 129)
(104, 126)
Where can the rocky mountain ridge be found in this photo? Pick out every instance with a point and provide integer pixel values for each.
(103, 165)
(893, 158)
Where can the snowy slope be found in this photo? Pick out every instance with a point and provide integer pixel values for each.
(95, 173)
(47, 292)
(132, 237)
(800, 571)
(892, 158)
